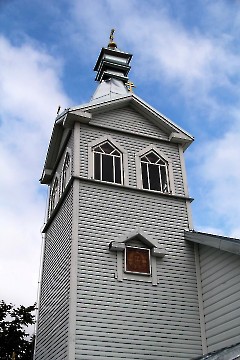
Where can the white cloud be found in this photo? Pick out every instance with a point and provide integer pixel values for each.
(194, 62)
(217, 167)
(30, 93)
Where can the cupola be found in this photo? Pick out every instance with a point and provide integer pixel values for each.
(112, 63)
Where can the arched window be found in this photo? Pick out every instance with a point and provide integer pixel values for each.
(155, 174)
(107, 163)
(66, 171)
(54, 195)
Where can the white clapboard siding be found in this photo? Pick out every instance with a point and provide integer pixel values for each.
(220, 273)
(52, 330)
(127, 119)
(134, 319)
(133, 145)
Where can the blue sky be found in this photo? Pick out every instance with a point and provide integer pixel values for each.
(185, 64)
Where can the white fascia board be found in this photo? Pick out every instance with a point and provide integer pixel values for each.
(46, 176)
(146, 110)
(223, 243)
(105, 105)
(52, 151)
(155, 112)
(66, 120)
(158, 252)
(142, 236)
(76, 115)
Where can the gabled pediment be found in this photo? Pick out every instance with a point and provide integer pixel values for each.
(142, 237)
(174, 132)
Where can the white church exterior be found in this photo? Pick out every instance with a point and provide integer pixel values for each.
(124, 274)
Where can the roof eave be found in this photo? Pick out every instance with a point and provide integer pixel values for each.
(65, 121)
(228, 244)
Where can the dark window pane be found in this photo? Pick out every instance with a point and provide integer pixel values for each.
(116, 153)
(107, 168)
(154, 177)
(97, 149)
(107, 148)
(144, 159)
(97, 166)
(164, 179)
(144, 176)
(117, 170)
(153, 158)
(161, 162)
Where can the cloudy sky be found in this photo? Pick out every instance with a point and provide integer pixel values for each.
(186, 64)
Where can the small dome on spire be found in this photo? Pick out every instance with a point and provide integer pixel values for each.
(112, 45)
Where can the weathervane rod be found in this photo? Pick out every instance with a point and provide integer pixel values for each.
(112, 44)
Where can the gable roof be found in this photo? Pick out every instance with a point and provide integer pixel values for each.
(231, 245)
(83, 113)
(175, 132)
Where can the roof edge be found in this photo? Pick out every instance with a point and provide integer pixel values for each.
(223, 243)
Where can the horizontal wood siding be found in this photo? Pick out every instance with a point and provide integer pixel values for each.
(127, 119)
(133, 145)
(52, 328)
(220, 273)
(134, 319)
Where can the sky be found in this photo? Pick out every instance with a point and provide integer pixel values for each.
(186, 64)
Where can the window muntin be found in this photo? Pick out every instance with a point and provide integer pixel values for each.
(107, 163)
(54, 195)
(154, 172)
(66, 171)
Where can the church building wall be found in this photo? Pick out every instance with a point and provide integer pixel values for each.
(134, 319)
(220, 274)
(53, 318)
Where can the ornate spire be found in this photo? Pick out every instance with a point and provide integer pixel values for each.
(112, 45)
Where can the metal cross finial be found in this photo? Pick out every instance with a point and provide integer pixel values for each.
(111, 35)
(112, 45)
(130, 86)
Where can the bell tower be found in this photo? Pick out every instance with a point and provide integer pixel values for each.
(118, 279)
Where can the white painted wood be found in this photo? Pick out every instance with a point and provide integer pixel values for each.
(76, 159)
(130, 121)
(73, 273)
(200, 300)
(220, 273)
(53, 318)
(112, 314)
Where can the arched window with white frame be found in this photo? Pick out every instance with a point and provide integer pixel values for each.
(66, 171)
(107, 163)
(154, 171)
(54, 195)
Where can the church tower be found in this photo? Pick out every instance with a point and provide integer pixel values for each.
(118, 279)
